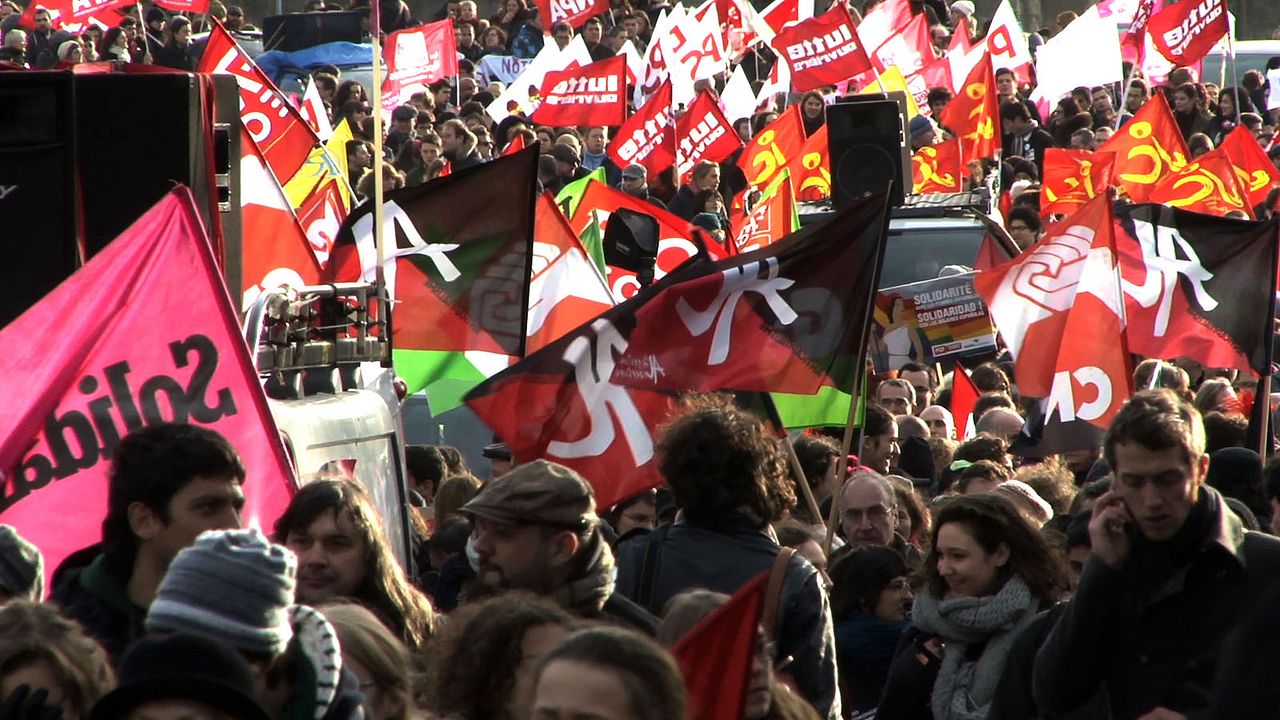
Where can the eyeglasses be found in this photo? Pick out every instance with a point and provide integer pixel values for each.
(1019, 228)
(872, 514)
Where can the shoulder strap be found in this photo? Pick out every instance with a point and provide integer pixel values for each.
(773, 591)
(646, 585)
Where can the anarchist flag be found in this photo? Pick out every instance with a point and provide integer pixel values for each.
(457, 257)
(1197, 286)
(824, 50)
(1186, 31)
(591, 95)
(648, 137)
(790, 317)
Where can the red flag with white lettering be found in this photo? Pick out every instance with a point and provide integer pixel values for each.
(275, 126)
(592, 95)
(1185, 32)
(574, 12)
(416, 58)
(565, 287)
(321, 216)
(771, 220)
(824, 50)
(648, 137)
(75, 16)
(704, 134)
(145, 334)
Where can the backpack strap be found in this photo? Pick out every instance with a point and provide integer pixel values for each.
(773, 591)
(646, 586)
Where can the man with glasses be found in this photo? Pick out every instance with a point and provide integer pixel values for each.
(923, 381)
(868, 515)
(897, 396)
(1024, 226)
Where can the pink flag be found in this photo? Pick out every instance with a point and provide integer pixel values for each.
(144, 333)
(416, 58)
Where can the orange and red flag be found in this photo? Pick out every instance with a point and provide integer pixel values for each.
(1073, 178)
(1255, 171)
(1208, 185)
(937, 168)
(770, 150)
(1147, 148)
(973, 115)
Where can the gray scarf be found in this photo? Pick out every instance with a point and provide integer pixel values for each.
(964, 689)
(589, 588)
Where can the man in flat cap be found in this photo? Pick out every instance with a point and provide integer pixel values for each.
(536, 529)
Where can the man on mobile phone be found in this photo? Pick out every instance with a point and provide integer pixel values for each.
(1171, 572)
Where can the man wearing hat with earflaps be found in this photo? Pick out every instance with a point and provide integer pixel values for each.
(181, 676)
(536, 529)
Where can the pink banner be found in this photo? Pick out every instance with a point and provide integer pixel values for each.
(144, 333)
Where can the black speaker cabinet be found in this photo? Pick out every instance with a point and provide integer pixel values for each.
(868, 147)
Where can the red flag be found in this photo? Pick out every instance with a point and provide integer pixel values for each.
(74, 16)
(321, 216)
(883, 21)
(1208, 185)
(565, 288)
(716, 655)
(515, 146)
(416, 58)
(964, 396)
(704, 134)
(591, 95)
(824, 50)
(1134, 38)
(1060, 309)
(961, 40)
(773, 147)
(909, 49)
(1188, 30)
(1073, 178)
(574, 12)
(145, 334)
(184, 6)
(1146, 148)
(770, 221)
(811, 170)
(937, 168)
(974, 113)
(446, 170)
(937, 74)
(648, 137)
(274, 125)
(1255, 171)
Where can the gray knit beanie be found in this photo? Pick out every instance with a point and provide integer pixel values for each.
(21, 566)
(231, 585)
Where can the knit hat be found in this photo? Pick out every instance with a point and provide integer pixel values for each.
(635, 171)
(231, 585)
(963, 7)
(706, 221)
(21, 566)
(921, 125)
(182, 667)
(1027, 500)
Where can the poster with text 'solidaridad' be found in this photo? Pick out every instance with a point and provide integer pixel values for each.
(929, 321)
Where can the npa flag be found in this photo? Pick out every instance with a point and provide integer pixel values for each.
(275, 126)
(973, 115)
(1060, 309)
(574, 12)
(1196, 286)
(591, 95)
(716, 655)
(964, 396)
(824, 50)
(276, 249)
(1186, 31)
(1255, 171)
(675, 245)
(1207, 185)
(909, 49)
(1133, 41)
(416, 58)
(321, 216)
(768, 153)
(747, 323)
(565, 288)
(1146, 148)
(457, 257)
(648, 137)
(561, 404)
(146, 334)
(703, 133)
(1073, 178)
(937, 168)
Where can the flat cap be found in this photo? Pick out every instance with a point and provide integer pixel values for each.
(540, 492)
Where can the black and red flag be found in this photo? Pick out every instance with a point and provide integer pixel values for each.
(1197, 286)
(790, 317)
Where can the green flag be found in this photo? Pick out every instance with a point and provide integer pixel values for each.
(571, 195)
(445, 376)
(593, 240)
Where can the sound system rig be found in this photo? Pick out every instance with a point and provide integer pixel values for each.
(868, 146)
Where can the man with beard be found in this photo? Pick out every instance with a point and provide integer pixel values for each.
(536, 529)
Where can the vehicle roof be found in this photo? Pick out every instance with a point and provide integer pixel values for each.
(341, 54)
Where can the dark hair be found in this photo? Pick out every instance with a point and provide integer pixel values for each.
(472, 663)
(815, 454)
(1002, 71)
(989, 400)
(1014, 110)
(1156, 420)
(989, 376)
(860, 576)
(982, 447)
(1224, 430)
(1077, 532)
(718, 458)
(426, 464)
(1028, 216)
(655, 688)
(345, 91)
(1242, 103)
(878, 421)
(150, 466)
(983, 469)
(939, 94)
(385, 588)
(991, 520)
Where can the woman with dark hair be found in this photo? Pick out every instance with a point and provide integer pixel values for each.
(494, 41)
(1231, 103)
(869, 594)
(1191, 118)
(610, 673)
(481, 666)
(350, 90)
(988, 575)
(409, 158)
(177, 37)
(115, 46)
(813, 111)
(513, 15)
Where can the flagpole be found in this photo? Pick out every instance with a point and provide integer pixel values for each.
(1264, 387)
(142, 25)
(803, 482)
(380, 273)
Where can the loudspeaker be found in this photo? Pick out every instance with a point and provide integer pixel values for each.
(868, 147)
(631, 243)
(37, 187)
(299, 31)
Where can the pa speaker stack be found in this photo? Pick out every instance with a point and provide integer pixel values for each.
(868, 147)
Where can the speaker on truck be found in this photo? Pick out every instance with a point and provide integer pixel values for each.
(868, 146)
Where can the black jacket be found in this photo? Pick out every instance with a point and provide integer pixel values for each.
(1153, 637)
(98, 599)
(686, 556)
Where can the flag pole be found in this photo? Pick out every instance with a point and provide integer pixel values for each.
(1264, 387)
(142, 26)
(809, 500)
(379, 245)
